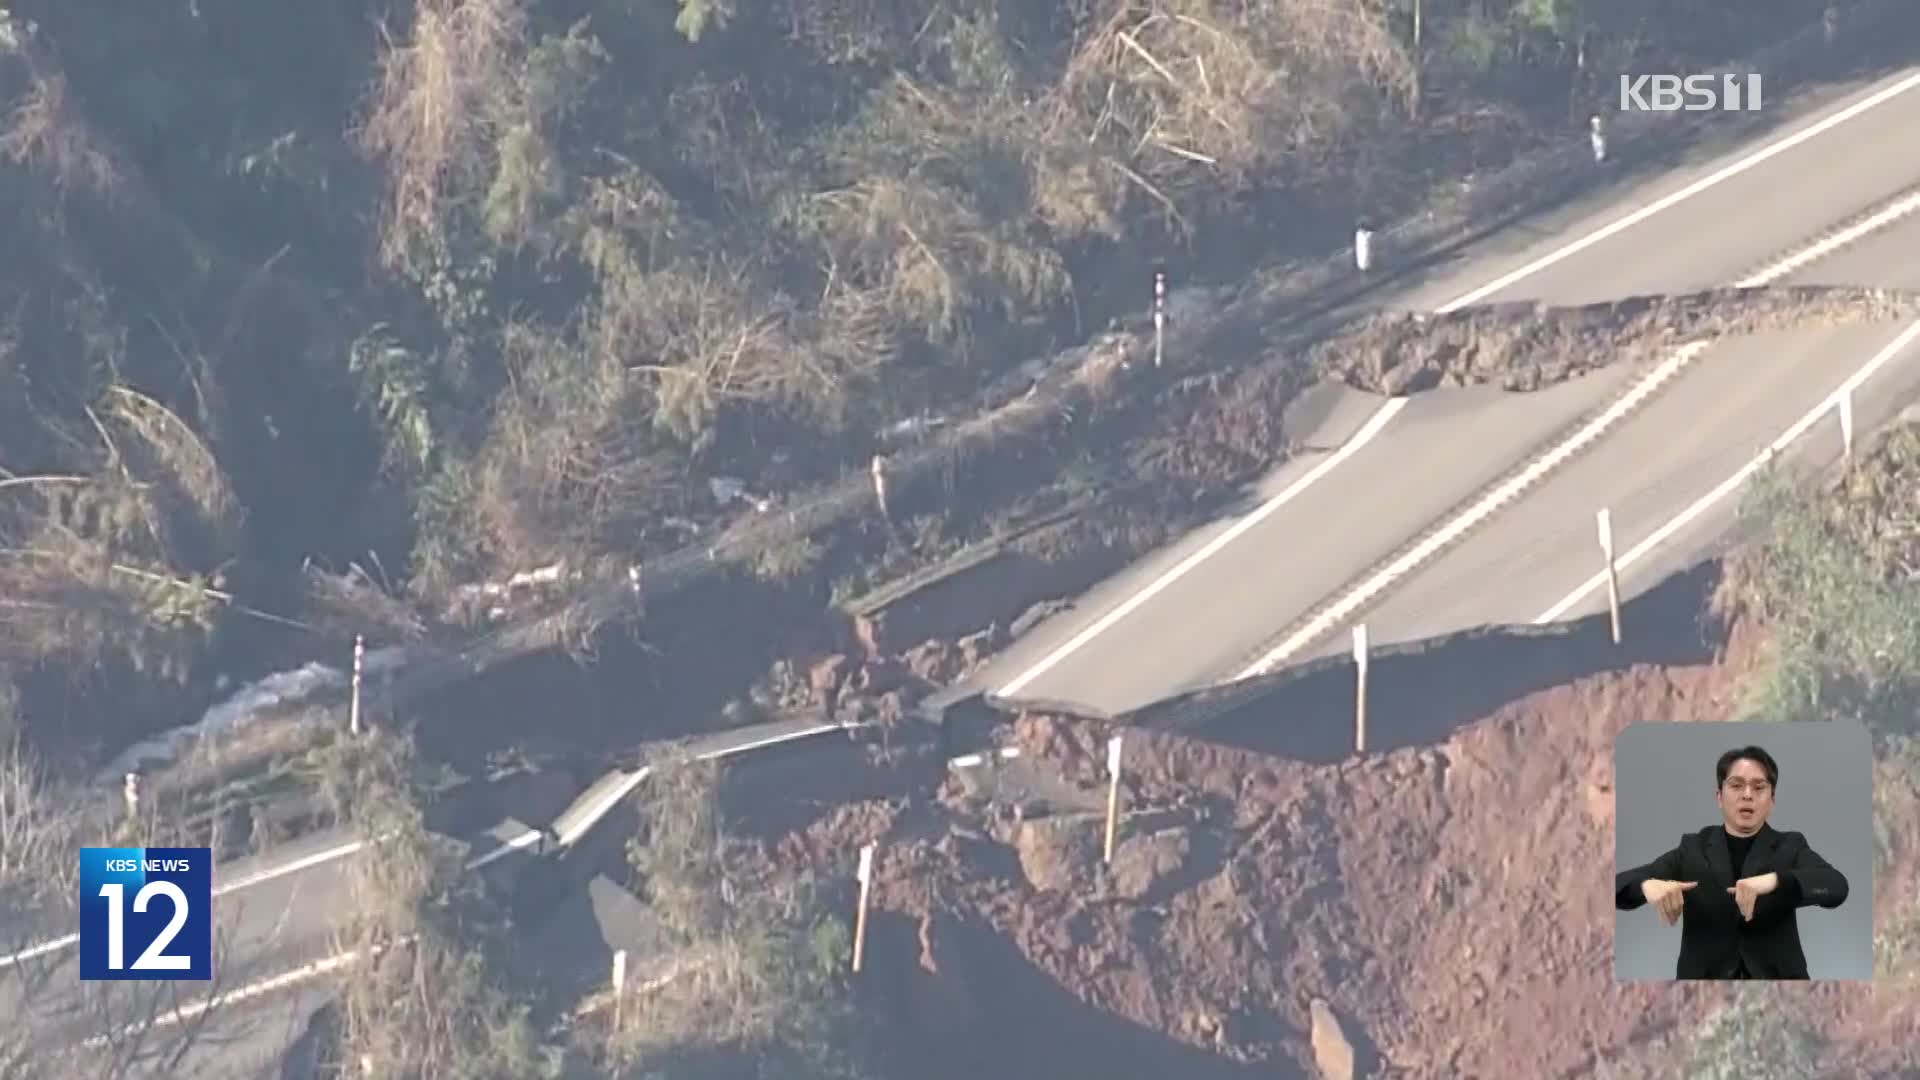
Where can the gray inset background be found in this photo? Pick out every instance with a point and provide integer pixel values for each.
(1663, 787)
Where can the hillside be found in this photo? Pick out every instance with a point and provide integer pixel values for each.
(449, 290)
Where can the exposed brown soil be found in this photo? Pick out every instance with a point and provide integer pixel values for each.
(1529, 347)
(1440, 897)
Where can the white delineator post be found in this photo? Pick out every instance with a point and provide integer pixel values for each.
(1159, 316)
(1846, 424)
(1597, 135)
(619, 985)
(359, 670)
(1113, 793)
(1604, 520)
(1361, 655)
(1363, 248)
(879, 470)
(130, 790)
(865, 876)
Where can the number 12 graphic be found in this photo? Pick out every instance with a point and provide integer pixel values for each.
(154, 903)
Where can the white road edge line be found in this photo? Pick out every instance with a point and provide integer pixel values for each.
(634, 779)
(1491, 502)
(1379, 419)
(1890, 214)
(1725, 488)
(1771, 150)
(1767, 152)
(1360, 438)
(264, 986)
(326, 966)
(1807, 257)
(1732, 483)
(341, 851)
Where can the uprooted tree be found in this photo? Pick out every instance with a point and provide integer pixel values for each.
(117, 563)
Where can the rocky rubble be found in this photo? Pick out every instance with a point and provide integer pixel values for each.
(1531, 346)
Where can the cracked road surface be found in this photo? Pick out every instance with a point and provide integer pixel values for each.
(1717, 221)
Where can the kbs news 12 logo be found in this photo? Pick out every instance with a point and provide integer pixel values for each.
(145, 913)
(1690, 93)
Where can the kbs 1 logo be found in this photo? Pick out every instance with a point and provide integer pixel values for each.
(1692, 93)
(145, 913)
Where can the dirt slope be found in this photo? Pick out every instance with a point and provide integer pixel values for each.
(1447, 899)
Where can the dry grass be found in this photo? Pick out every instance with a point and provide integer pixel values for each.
(44, 131)
(434, 101)
(1196, 92)
(759, 966)
(41, 825)
(1835, 578)
(420, 1001)
(37, 836)
(121, 561)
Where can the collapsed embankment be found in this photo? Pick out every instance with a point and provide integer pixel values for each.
(1427, 892)
(1103, 463)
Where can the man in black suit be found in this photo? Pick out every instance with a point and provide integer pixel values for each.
(1738, 884)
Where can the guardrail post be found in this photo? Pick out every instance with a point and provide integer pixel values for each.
(865, 876)
(1113, 793)
(1604, 520)
(359, 668)
(1361, 655)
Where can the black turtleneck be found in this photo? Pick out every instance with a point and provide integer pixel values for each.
(1737, 848)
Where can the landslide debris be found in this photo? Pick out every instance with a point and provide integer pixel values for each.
(1532, 346)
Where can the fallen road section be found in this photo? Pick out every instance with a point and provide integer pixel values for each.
(1380, 475)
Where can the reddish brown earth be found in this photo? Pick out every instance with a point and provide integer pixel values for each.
(1448, 900)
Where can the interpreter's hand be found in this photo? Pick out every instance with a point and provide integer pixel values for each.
(1747, 891)
(1669, 898)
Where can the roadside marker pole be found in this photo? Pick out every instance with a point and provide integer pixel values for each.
(878, 468)
(1846, 423)
(865, 875)
(1361, 654)
(359, 667)
(1159, 315)
(619, 986)
(1604, 519)
(1113, 792)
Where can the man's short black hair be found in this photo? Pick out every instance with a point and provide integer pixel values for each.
(1746, 753)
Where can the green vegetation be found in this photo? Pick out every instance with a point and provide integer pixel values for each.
(421, 923)
(1761, 1027)
(1833, 577)
(475, 285)
(751, 981)
(764, 990)
(1836, 580)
